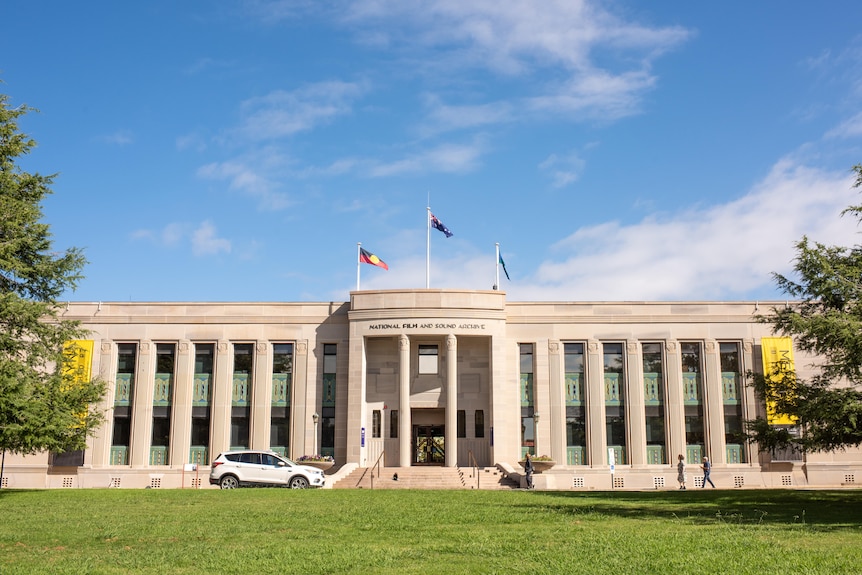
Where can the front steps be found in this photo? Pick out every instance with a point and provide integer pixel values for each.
(425, 477)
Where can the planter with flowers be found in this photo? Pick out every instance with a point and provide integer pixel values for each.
(540, 463)
(322, 462)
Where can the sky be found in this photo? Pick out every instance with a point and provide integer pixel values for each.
(616, 151)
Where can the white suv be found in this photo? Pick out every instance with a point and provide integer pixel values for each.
(233, 469)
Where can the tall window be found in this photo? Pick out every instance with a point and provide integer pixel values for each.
(692, 389)
(393, 423)
(162, 396)
(327, 416)
(282, 382)
(653, 364)
(201, 398)
(376, 424)
(528, 423)
(576, 421)
(615, 399)
(428, 359)
(461, 419)
(243, 376)
(479, 423)
(127, 355)
(731, 391)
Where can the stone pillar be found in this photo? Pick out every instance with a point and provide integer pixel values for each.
(261, 397)
(557, 402)
(451, 434)
(142, 406)
(597, 441)
(108, 372)
(181, 407)
(405, 421)
(749, 400)
(222, 396)
(300, 412)
(675, 410)
(713, 408)
(635, 415)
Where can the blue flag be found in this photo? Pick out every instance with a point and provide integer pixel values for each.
(437, 224)
(502, 263)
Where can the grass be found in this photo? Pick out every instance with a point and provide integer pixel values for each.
(261, 531)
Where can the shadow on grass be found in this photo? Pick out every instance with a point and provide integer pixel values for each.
(815, 509)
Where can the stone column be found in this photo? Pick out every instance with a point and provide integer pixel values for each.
(713, 408)
(405, 421)
(675, 410)
(300, 412)
(261, 397)
(108, 372)
(222, 397)
(635, 415)
(749, 400)
(142, 406)
(181, 408)
(451, 434)
(556, 402)
(597, 441)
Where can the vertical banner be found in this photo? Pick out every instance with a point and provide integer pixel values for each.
(777, 355)
(80, 353)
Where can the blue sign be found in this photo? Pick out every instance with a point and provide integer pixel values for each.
(362, 439)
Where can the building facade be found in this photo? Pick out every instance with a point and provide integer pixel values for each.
(611, 391)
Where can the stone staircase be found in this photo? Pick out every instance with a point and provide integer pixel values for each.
(424, 477)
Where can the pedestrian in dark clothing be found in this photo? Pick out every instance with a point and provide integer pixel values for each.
(707, 467)
(680, 471)
(528, 470)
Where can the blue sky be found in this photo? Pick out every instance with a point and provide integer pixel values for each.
(623, 150)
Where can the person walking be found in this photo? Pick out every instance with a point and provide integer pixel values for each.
(707, 467)
(528, 470)
(680, 471)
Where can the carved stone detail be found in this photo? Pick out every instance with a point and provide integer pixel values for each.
(261, 347)
(670, 346)
(554, 347)
(301, 348)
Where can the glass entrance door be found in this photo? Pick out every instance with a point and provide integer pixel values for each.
(429, 444)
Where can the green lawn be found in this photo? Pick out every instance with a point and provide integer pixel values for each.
(255, 531)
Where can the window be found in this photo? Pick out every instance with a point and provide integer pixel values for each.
(692, 382)
(576, 420)
(376, 424)
(162, 395)
(127, 355)
(327, 412)
(653, 370)
(528, 429)
(393, 423)
(201, 394)
(243, 366)
(462, 423)
(615, 399)
(428, 359)
(479, 423)
(282, 382)
(731, 391)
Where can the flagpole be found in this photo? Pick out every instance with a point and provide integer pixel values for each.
(428, 248)
(358, 262)
(496, 267)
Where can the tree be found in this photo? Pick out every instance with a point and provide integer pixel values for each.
(826, 322)
(42, 405)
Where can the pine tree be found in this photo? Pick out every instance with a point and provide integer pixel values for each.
(42, 406)
(826, 322)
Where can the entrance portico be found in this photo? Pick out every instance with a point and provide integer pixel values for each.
(411, 359)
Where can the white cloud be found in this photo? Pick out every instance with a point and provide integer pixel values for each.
(205, 241)
(849, 128)
(254, 181)
(701, 253)
(281, 113)
(563, 170)
(446, 158)
(119, 138)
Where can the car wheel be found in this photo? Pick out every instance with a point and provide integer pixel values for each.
(298, 482)
(229, 482)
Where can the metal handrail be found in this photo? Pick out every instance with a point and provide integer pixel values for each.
(377, 465)
(474, 465)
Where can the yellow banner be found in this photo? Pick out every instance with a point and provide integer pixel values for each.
(777, 356)
(80, 354)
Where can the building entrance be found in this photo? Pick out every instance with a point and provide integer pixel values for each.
(429, 444)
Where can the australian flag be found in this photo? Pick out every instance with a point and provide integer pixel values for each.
(437, 224)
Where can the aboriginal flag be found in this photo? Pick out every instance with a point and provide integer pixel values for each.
(367, 257)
